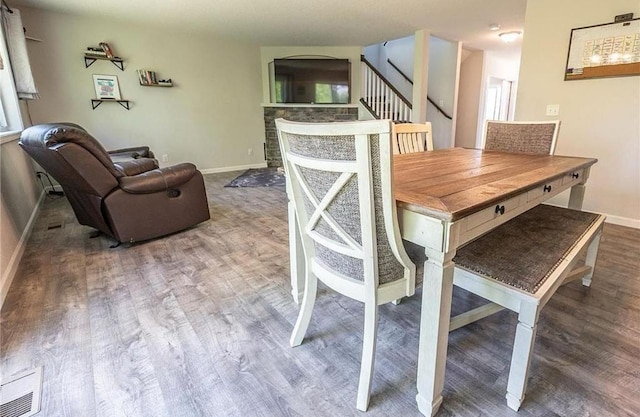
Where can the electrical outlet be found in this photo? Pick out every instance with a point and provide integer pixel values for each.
(165, 158)
(553, 109)
(249, 151)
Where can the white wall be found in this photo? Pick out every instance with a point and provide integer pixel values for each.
(600, 117)
(443, 63)
(352, 53)
(400, 52)
(18, 207)
(469, 95)
(211, 117)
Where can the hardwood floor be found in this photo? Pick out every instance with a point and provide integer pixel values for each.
(198, 324)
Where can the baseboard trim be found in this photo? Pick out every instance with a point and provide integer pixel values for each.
(233, 168)
(622, 221)
(613, 219)
(16, 257)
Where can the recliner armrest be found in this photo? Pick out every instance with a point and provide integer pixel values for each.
(158, 179)
(132, 167)
(133, 152)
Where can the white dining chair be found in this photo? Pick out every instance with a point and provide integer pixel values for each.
(412, 137)
(341, 184)
(537, 137)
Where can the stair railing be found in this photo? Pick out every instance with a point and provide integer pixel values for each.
(381, 98)
(395, 67)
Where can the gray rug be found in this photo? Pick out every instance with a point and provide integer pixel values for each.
(260, 177)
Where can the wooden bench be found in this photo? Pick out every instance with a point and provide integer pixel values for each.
(519, 266)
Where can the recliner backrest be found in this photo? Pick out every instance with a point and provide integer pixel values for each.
(79, 163)
(49, 135)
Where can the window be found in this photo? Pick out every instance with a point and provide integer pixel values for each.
(10, 119)
(331, 93)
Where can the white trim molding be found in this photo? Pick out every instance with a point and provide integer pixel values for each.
(233, 168)
(622, 221)
(612, 218)
(6, 137)
(16, 256)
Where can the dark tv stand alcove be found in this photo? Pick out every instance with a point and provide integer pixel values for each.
(300, 113)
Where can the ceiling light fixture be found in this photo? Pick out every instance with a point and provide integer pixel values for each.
(494, 26)
(510, 36)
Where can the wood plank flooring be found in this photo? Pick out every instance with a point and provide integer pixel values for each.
(198, 323)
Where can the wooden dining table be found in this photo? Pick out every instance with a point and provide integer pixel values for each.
(445, 199)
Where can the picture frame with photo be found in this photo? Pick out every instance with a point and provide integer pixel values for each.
(106, 87)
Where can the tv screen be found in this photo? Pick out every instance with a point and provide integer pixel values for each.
(312, 81)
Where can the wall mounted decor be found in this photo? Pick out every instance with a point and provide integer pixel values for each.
(606, 50)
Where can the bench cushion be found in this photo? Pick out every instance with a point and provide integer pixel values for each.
(525, 251)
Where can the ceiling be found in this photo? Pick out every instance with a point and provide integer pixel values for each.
(314, 22)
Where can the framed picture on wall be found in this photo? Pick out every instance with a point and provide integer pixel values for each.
(106, 87)
(606, 50)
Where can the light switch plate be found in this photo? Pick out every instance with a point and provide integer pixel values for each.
(553, 109)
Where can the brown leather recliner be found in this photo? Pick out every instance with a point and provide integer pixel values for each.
(123, 193)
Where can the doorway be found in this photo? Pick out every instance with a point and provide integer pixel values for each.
(498, 99)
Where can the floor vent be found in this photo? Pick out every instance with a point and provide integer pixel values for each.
(20, 397)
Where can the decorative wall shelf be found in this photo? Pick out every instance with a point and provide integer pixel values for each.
(157, 85)
(90, 59)
(149, 78)
(95, 102)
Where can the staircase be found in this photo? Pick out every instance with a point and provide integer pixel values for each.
(381, 98)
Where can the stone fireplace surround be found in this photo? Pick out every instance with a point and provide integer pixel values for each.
(309, 113)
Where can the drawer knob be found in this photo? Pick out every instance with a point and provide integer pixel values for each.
(575, 175)
(499, 209)
(547, 189)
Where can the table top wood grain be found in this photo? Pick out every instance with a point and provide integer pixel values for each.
(449, 184)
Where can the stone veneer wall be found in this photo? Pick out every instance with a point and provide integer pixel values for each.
(299, 114)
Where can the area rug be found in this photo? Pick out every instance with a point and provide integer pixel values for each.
(260, 177)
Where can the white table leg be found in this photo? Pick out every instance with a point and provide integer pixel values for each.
(576, 197)
(296, 256)
(437, 290)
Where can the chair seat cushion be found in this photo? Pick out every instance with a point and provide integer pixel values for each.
(525, 251)
(131, 167)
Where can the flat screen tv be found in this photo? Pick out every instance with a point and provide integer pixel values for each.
(312, 81)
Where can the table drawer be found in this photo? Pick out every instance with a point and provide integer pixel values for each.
(551, 187)
(573, 176)
(492, 212)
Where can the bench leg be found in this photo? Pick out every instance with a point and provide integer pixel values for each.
(592, 254)
(521, 356)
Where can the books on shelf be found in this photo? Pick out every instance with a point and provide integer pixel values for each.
(100, 52)
(95, 53)
(144, 76)
(147, 77)
(107, 49)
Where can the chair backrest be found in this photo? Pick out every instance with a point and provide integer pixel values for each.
(339, 176)
(80, 165)
(522, 137)
(412, 137)
(72, 156)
